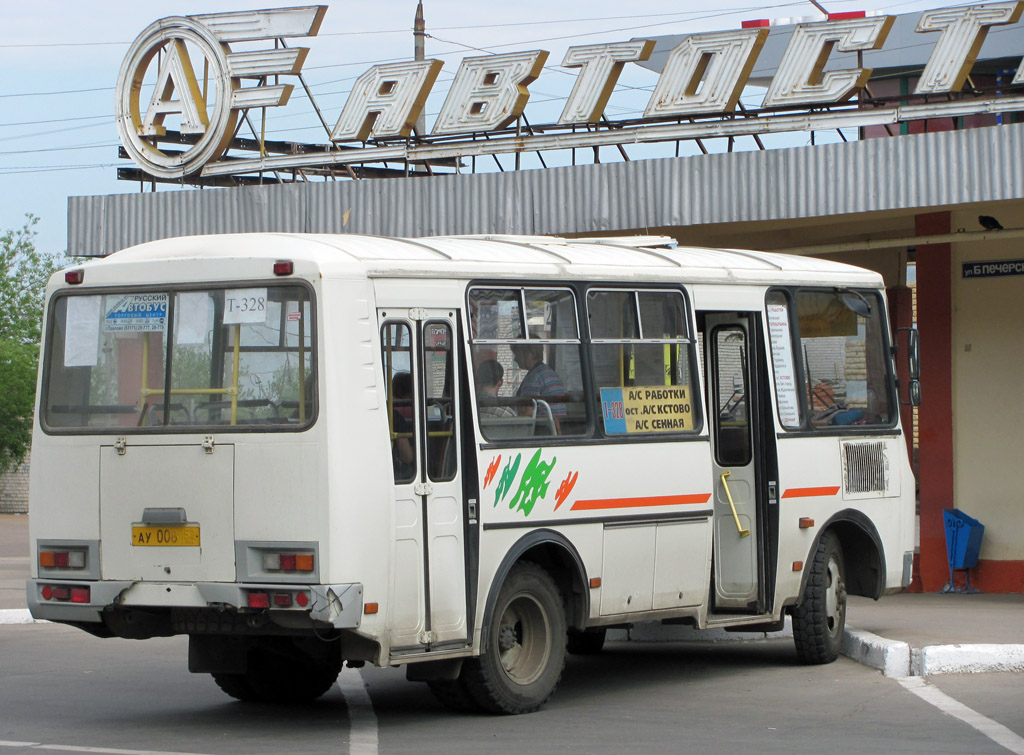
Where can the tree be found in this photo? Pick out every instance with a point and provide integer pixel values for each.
(23, 274)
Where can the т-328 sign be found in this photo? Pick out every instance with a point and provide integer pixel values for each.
(695, 95)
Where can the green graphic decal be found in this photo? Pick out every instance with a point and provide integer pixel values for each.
(508, 476)
(533, 484)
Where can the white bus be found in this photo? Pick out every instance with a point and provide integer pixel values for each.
(461, 455)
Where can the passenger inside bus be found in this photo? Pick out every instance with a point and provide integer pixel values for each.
(403, 452)
(490, 376)
(541, 382)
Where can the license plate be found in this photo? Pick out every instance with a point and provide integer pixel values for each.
(186, 535)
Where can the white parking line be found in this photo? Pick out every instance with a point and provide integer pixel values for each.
(991, 729)
(79, 748)
(362, 721)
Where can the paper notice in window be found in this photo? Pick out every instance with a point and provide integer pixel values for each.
(192, 311)
(82, 332)
(785, 369)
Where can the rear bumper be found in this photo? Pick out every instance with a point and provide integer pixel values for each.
(338, 605)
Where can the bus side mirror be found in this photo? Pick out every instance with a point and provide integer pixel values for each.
(914, 355)
(913, 352)
(914, 392)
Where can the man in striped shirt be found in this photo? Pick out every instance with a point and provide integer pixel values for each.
(541, 382)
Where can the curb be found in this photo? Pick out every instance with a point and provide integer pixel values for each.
(18, 616)
(891, 657)
(967, 659)
(896, 659)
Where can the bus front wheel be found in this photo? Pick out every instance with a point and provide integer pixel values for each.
(819, 620)
(521, 661)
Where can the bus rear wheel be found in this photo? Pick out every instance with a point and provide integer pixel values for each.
(279, 672)
(819, 619)
(523, 654)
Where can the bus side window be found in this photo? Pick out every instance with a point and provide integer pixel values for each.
(439, 369)
(526, 362)
(732, 422)
(396, 345)
(845, 359)
(641, 356)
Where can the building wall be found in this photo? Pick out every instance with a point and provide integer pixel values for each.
(14, 490)
(988, 363)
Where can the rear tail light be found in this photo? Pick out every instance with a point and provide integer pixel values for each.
(277, 599)
(288, 562)
(62, 559)
(282, 600)
(65, 593)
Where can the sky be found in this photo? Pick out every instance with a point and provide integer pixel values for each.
(59, 61)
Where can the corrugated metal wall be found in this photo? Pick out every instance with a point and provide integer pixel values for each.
(907, 172)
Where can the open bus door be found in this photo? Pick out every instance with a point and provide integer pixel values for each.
(745, 465)
(428, 601)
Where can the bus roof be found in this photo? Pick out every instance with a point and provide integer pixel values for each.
(497, 256)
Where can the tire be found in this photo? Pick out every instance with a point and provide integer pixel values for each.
(236, 686)
(819, 619)
(587, 642)
(523, 651)
(278, 673)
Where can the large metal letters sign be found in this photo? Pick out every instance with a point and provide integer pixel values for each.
(209, 111)
(703, 78)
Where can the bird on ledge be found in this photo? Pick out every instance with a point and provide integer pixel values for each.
(989, 223)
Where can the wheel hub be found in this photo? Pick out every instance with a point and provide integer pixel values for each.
(835, 597)
(506, 638)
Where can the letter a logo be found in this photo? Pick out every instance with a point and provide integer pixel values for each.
(176, 76)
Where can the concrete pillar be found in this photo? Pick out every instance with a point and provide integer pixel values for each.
(934, 320)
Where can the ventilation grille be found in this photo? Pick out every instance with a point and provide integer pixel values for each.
(865, 467)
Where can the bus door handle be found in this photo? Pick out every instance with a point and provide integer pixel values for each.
(732, 505)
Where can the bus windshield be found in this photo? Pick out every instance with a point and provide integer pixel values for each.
(172, 360)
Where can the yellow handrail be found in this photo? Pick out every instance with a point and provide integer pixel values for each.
(735, 516)
(234, 376)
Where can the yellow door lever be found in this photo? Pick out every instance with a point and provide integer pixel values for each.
(732, 505)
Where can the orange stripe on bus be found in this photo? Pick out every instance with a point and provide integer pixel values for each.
(631, 503)
(809, 492)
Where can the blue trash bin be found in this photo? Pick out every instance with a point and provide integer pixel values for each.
(963, 543)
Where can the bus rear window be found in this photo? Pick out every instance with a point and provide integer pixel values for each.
(179, 360)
